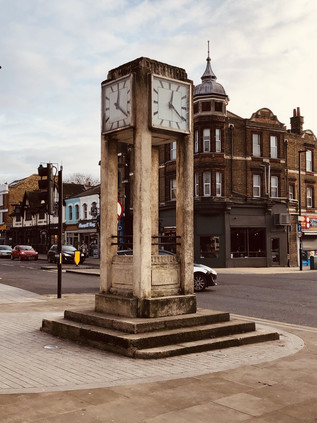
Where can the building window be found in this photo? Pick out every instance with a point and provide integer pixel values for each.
(173, 151)
(206, 140)
(274, 186)
(76, 212)
(309, 197)
(85, 211)
(273, 146)
(256, 186)
(173, 189)
(218, 140)
(70, 212)
(309, 161)
(206, 106)
(218, 184)
(196, 107)
(291, 191)
(196, 141)
(28, 215)
(256, 145)
(209, 246)
(207, 184)
(248, 242)
(218, 106)
(94, 210)
(196, 187)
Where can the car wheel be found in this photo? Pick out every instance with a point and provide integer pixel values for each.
(200, 282)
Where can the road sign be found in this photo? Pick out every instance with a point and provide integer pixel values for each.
(119, 210)
(299, 234)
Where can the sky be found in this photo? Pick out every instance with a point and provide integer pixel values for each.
(55, 54)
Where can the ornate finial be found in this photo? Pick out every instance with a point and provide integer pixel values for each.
(208, 75)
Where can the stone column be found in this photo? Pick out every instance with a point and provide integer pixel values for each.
(155, 198)
(108, 209)
(142, 197)
(184, 211)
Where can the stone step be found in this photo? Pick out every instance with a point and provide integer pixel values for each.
(143, 325)
(260, 335)
(129, 344)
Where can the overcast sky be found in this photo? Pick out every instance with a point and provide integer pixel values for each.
(54, 55)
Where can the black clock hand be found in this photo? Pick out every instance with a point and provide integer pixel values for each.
(171, 106)
(118, 107)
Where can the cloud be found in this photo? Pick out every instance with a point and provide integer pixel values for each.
(56, 54)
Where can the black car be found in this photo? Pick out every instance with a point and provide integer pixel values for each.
(68, 254)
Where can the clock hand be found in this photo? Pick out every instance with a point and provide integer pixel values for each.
(118, 107)
(171, 106)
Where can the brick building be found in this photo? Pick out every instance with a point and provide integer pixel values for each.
(245, 183)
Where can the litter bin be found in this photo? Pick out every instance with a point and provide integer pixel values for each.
(313, 263)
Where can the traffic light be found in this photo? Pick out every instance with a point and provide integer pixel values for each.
(47, 186)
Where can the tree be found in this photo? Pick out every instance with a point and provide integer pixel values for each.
(83, 179)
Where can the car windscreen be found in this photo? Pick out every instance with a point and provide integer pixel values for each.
(26, 248)
(69, 248)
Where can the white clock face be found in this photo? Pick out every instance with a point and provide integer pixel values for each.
(170, 104)
(116, 104)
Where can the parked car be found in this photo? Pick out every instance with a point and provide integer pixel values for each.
(5, 251)
(68, 254)
(24, 252)
(204, 276)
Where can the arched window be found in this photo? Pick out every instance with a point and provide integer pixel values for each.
(70, 212)
(85, 211)
(76, 212)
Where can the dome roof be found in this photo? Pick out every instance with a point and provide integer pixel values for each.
(209, 84)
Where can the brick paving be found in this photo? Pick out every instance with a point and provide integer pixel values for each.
(33, 361)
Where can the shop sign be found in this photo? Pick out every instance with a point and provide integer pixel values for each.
(3, 227)
(309, 223)
(87, 225)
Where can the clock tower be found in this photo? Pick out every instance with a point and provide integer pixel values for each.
(146, 103)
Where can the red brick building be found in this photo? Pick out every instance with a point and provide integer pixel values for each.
(246, 183)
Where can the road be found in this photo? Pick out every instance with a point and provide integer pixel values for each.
(284, 297)
(28, 275)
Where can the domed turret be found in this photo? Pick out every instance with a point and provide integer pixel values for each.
(210, 86)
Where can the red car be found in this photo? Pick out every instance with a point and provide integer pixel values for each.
(24, 252)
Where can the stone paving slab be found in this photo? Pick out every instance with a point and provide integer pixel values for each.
(33, 361)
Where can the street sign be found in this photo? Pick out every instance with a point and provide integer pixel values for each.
(299, 234)
(119, 210)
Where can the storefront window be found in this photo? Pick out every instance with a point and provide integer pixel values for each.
(209, 246)
(248, 242)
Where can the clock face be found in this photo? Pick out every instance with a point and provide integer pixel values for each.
(171, 100)
(116, 104)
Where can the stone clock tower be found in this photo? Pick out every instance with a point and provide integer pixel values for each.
(146, 103)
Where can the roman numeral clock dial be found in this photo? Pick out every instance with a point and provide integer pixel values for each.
(170, 104)
(116, 104)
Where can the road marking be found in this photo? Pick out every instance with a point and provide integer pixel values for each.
(276, 323)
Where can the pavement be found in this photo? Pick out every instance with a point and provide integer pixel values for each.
(46, 379)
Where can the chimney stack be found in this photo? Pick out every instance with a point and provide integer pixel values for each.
(297, 122)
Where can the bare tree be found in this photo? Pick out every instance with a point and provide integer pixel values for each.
(83, 179)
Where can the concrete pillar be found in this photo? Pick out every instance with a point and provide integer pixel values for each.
(108, 209)
(184, 211)
(155, 198)
(142, 197)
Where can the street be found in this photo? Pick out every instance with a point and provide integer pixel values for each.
(28, 275)
(288, 297)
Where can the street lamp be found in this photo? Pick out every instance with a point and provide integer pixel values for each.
(300, 209)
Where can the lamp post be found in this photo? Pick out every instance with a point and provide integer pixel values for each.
(300, 209)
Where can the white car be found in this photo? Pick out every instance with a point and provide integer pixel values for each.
(203, 275)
